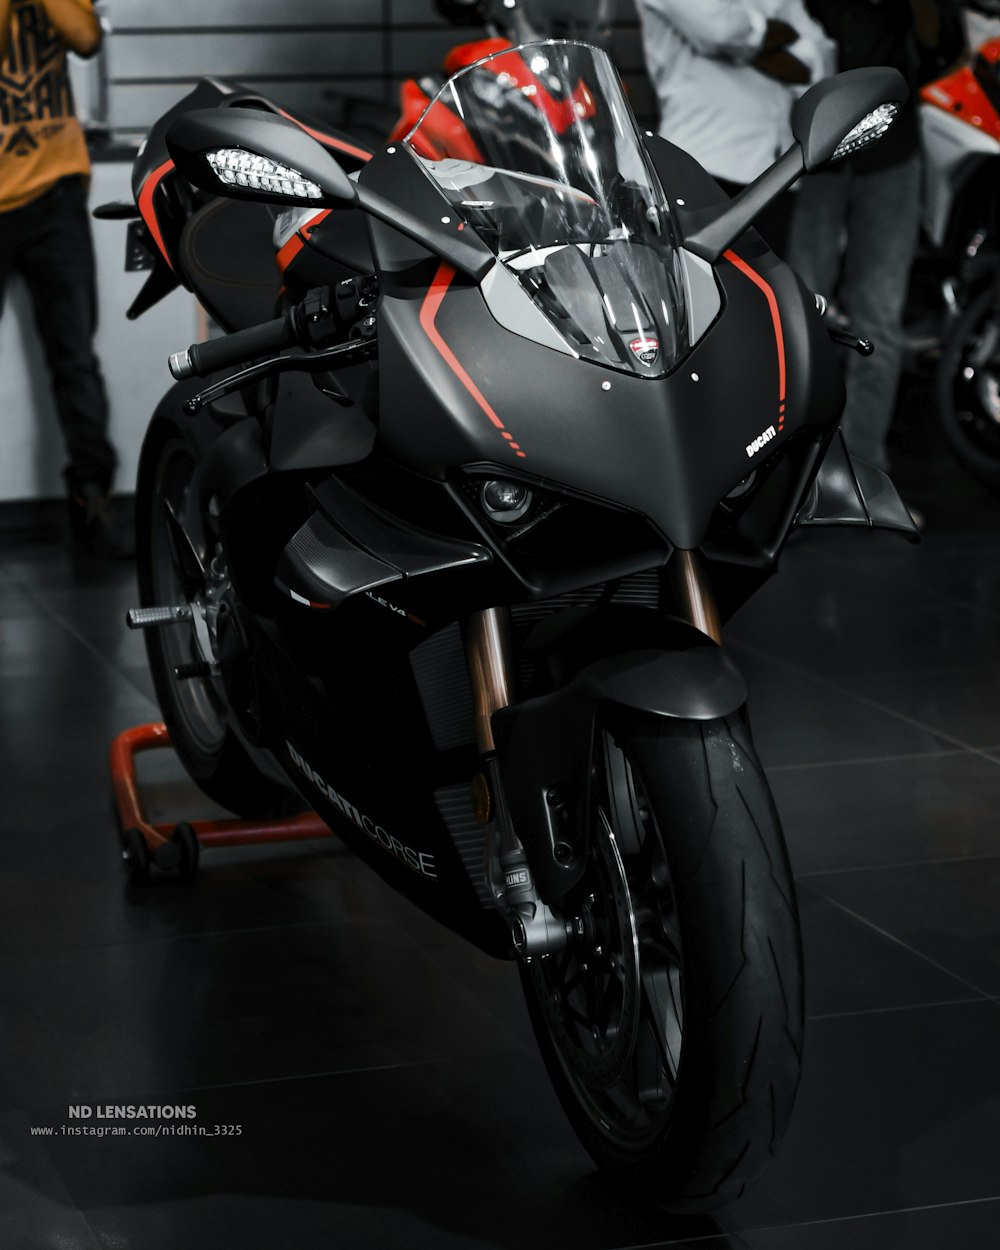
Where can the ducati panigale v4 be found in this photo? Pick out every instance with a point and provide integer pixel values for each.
(443, 546)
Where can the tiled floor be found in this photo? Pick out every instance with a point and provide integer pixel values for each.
(382, 1075)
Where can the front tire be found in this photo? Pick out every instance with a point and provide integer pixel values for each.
(673, 1029)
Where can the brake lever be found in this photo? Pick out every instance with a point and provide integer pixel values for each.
(315, 362)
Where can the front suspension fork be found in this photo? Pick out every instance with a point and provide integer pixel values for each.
(534, 928)
(693, 598)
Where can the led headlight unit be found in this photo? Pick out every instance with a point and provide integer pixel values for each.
(240, 168)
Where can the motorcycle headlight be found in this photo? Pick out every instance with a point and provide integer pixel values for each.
(505, 502)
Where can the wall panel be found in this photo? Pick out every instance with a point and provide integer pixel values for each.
(303, 54)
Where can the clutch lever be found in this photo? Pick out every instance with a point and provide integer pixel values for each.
(864, 347)
(839, 334)
(314, 362)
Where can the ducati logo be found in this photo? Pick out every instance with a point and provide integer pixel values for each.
(645, 350)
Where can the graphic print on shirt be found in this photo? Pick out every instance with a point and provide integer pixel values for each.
(35, 96)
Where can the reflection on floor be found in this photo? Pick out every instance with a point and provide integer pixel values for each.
(375, 1080)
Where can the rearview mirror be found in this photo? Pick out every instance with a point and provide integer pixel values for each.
(250, 155)
(834, 119)
(841, 115)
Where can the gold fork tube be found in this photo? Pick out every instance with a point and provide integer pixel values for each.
(693, 595)
(487, 648)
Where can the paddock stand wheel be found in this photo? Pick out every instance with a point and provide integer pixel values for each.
(135, 856)
(177, 846)
(190, 851)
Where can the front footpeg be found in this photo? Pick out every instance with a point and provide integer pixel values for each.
(149, 618)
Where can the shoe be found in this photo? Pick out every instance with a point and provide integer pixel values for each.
(95, 525)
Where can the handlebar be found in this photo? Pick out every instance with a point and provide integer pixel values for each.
(201, 359)
(320, 319)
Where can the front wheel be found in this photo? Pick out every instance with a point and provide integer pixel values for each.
(968, 389)
(672, 1027)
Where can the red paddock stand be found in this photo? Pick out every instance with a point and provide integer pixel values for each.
(178, 845)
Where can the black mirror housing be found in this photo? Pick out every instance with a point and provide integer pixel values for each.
(193, 135)
(829, 111)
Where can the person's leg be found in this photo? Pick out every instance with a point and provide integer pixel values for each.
(10, 233)
(882, 236)
(817, 235)
(56, 259)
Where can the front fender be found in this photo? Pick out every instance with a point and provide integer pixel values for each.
(545, 745)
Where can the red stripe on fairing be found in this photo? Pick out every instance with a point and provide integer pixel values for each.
(145, 203)
(428, 312)
(329, 140)
(779, 337)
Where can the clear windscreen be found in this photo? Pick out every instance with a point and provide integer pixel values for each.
(538, 152)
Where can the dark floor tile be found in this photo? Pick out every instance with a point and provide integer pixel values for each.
(961, 703)
(471, 1152)
(897, 1109)
(824, 575)
(49, 724)
(851, 967)
(892, 811)
(80, 899)
(963, 571)
(35, 1209)
(845, 640)
(15, 603)
(236, 1007)
(947, 912)
(31, 646)
(43, 566)
(799, 721)
(971, 1226)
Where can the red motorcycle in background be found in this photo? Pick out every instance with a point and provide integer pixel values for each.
(505, 28)
(960, 116)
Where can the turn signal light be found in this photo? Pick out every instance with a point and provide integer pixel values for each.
(239, 168)
(868, 129)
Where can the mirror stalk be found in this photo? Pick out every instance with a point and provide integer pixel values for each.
(446, 243)
(709, 231)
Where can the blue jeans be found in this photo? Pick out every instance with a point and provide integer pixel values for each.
(853, 238)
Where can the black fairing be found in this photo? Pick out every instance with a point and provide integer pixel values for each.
(346, 658)
(459, 388)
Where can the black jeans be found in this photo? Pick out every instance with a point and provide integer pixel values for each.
(48, 242)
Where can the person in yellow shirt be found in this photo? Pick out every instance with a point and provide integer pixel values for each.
(45, 236)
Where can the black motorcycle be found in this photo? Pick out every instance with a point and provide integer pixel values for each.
(448, 557)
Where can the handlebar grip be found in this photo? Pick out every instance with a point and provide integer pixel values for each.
(201, 359)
